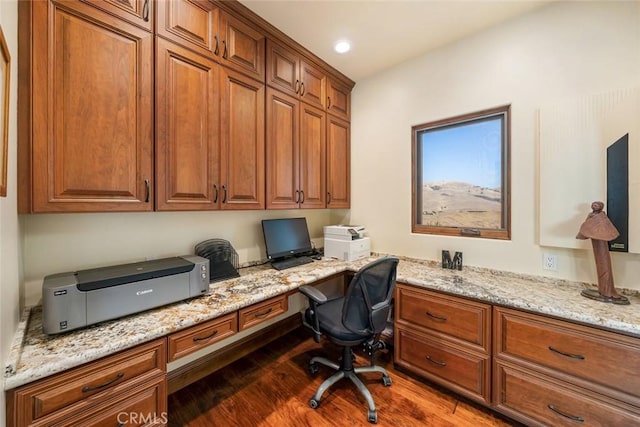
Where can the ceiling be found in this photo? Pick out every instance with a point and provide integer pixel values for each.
(383, 33)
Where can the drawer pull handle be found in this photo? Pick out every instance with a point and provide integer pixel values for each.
(438, 318)
(435, 362)
(264, 314)
(87, 389)
(573, 356)
(208, 337)
(571, 417)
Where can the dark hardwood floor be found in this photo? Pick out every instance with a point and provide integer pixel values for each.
(272, 387)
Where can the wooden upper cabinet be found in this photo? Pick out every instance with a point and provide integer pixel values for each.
(338, 163)
(190, 23)
(137, 12)
(338, 99)
(312, 157)
(242, 141)
(291, 73)
(91, 117)
(242, 47)
(187, 128)
(295, 153)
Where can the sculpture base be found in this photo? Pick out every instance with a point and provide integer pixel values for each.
(594, 294)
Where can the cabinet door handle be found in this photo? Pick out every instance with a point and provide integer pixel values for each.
(436, 362)
(297, 86)
(328, 102)
(571, 417)
(302, 192)
(145, 11)
(573, 356)
(87, 389)
(224, 197)
(297, 196)
(208, 337)
(215, 197)
(301, 88)
(328, 197)
(265, 313)
(224, 52)
(148, 191)
(216, 51)
(435, 317)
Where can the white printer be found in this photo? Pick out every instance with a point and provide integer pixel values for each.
(346, 242)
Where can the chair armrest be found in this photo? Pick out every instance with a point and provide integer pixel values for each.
(313, 294)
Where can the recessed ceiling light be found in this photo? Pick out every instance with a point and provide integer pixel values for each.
(342, 46)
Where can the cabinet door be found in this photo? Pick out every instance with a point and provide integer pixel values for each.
(283, 113)
(92, 111)
(338, 163)
(242, 142)
(187, 124)
(190, 23)
(282, 69)
(313, 84)
(338, 100)
(242, 47)
(138, 12)
(312, 157)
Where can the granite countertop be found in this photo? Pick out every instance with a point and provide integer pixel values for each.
(34, 355)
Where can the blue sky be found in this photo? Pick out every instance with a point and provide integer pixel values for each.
(466, 153)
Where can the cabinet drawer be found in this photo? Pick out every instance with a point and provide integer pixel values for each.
(142, 406)
(606, 358)
(537, 399)
(463, 372)
(459, 318)
(199, 336)
(102, 379)
(260, 312)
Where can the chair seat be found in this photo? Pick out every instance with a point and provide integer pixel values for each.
(330, 317)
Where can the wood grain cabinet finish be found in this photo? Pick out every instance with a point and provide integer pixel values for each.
(338, 99)
(295, 75)
(190, 23)
(262, 311)
(137, 12)
(445, 339)
(296, 157)
(242, 142)
(338, 163)
(540, 400)
(599, 369)
(187, 130)
(86, 390)
(202, 335)
(88, 153)
(242, 47)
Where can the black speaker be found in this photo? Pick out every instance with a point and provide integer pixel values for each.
(618, 192)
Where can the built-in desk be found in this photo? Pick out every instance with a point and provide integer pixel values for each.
(35, 356)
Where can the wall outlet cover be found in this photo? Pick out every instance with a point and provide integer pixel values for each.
(550, 262)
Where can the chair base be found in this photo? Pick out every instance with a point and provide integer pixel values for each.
(347, 370)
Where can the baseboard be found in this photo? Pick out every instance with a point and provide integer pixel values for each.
(206, 365)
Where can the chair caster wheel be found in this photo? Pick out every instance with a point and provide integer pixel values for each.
(314, 403)
(313, 368)
(372, 416)
(386, 381)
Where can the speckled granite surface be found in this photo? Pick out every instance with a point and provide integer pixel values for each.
(35, 355)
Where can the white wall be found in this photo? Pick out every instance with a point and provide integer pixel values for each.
(9, 227)
(567, 49)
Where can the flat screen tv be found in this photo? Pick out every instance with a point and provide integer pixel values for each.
(286, 237)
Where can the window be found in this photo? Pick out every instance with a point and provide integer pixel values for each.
(461, 175)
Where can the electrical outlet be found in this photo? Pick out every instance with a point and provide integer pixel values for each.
(550, 262)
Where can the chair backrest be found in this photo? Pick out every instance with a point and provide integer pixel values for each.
(368, 299)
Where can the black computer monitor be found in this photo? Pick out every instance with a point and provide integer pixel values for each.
(286, 237)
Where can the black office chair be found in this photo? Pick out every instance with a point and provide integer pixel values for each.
(357, 318)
